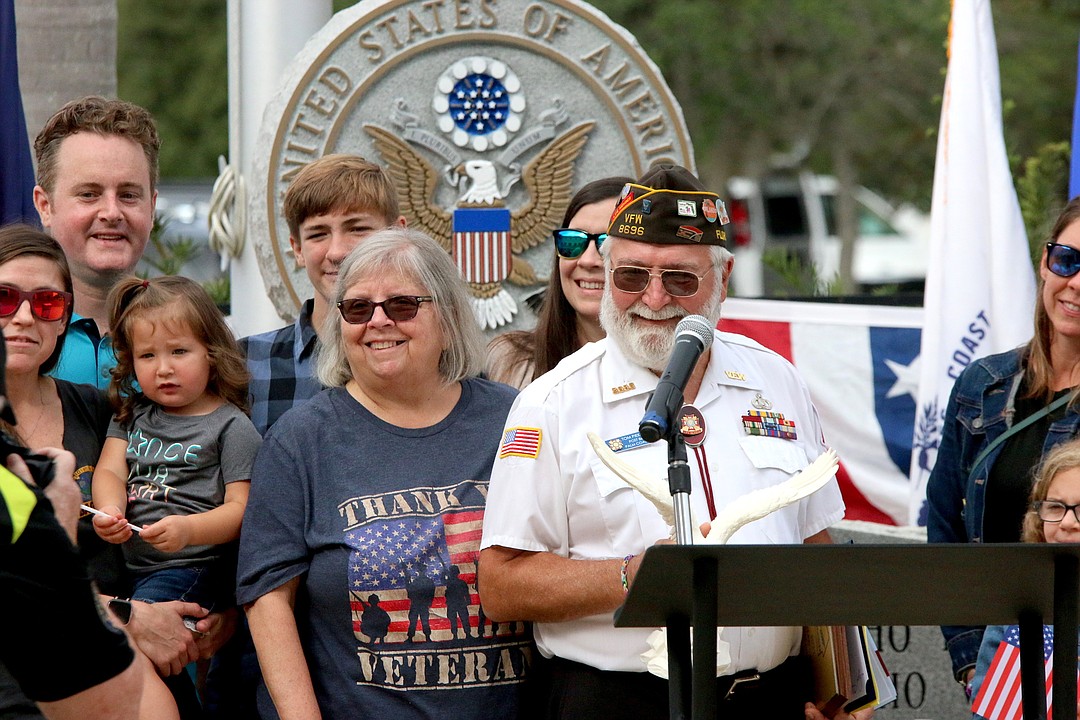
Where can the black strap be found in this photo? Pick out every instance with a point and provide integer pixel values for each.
(1034, 417)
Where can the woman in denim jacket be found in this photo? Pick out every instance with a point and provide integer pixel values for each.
(986, 502)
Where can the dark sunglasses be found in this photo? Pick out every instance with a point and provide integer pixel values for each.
(677, 283)
(357, 311)
(571, 244)
(1062, 260)
(47, 305)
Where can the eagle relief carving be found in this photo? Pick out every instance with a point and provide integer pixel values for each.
(479, 105)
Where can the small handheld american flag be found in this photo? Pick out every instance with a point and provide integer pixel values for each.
(999, 697)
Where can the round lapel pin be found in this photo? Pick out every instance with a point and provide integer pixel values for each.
(692, 425)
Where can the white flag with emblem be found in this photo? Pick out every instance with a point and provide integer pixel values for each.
(980, 286)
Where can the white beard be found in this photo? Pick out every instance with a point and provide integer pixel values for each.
(645, 346)
(648, 347)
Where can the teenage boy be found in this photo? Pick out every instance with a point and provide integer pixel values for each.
(331, 205)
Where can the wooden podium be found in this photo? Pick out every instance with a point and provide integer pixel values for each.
(705, 586)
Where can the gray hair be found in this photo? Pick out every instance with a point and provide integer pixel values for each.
(406, 253)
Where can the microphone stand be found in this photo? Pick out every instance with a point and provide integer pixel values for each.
(679, 483)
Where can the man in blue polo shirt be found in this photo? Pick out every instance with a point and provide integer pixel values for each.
(330, 206)
(97, 165)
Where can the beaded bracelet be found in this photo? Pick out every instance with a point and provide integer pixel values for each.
(622, 574)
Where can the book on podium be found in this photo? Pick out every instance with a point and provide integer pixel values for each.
(827, 649)
(848, 672)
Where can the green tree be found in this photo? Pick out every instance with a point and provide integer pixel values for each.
(1037, 45)
(835, 84)
(1041, 188)
(763, 78)
(172, 59)
(840, 87)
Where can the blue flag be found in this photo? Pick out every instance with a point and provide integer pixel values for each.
(16, 167)
(1074, 174)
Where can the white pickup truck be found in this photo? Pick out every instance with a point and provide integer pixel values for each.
(796, 213)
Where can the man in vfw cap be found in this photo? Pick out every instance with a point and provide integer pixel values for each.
(563, 536)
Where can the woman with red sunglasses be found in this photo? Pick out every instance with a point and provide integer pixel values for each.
(1005, 412)
(570, 314)
(35, 307)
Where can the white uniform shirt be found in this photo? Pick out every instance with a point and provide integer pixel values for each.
(561, 499)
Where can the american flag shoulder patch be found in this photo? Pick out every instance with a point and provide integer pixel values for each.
(520, 442)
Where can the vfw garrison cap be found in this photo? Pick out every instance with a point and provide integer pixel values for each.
(669, 206)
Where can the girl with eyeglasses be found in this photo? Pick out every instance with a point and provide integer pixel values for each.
(1005, 412)
(570, 312)
(1052, 516)
(174, 472)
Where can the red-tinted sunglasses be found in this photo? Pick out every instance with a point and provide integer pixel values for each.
(47, 305)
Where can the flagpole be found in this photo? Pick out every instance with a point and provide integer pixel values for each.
(980, 286)
(16, 165)
(1074, 166)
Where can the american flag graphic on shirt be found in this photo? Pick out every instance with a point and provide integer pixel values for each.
(391, 557)
(413, 607)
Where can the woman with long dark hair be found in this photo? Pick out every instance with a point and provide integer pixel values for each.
(569, 316)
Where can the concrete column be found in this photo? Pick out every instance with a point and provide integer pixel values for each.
(264, 36)
(67, 49)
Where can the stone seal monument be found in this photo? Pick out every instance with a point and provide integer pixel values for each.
(488, 114)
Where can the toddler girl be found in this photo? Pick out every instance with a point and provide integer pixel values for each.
(177, 460)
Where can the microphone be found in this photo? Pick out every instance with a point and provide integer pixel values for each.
(693, 336)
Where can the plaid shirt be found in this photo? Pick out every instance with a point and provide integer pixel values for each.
(281, 367)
